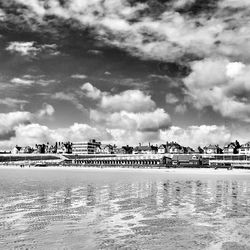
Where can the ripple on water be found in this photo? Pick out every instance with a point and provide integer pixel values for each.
(126, 210)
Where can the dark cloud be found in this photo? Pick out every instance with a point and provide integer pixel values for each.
(6, 136)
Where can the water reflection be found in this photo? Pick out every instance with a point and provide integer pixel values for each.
(139, 213)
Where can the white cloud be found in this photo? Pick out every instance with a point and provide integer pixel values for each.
(34, 133)
(78, 76)
(90, 91)
(222, 85)
(29, 80)
(32, 49)
(46, 111)
(195, 136)
(234, 3)
(130, 109)
(20, 81)
(13, 102)
(143, 121)
(182, 3)
(129, 100)
(171, 98)
(8, 121)
(235, 68)
(2, 15)
(24, 48)
(166, 36)
(84, 132)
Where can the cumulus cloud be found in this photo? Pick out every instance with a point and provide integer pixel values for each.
(22, 82)
(129, 100)
(145, 121)
(84, 132)
(29, 80)
(195, 136)
(46, 111)
(132, 109)
(167, 37)
(222, 85)
(8, 122)
(24, 48)
(156, 33)
(13, 102)
(90, 91)
(34, 133)
(31, 48)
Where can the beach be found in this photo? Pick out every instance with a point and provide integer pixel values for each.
(179, 170)
(110, 208)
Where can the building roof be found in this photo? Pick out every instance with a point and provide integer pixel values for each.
(145, 148)
(182, 157)
(175, 145)
(246, 145)
(210, 146)
(230, 145)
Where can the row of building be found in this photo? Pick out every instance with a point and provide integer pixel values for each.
(95, 147)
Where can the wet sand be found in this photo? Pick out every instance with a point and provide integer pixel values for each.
(91, 208)
(182, 171)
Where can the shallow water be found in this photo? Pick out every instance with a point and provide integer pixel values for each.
(122, 209)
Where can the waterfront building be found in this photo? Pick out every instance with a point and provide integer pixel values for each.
(162, 149)
(64, 148)
(85, 147)
(231, 148)
(118, 150)
(39, 149)
(150, 149)
(175, 148)
(128, 149)
(212, 149)
(186, 160)
(199, 150)
(107, 149)
(28, 150)
(16, 150)
(188, 150)
(245, 148)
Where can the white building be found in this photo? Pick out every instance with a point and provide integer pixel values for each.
(245, 148)
(81, 148)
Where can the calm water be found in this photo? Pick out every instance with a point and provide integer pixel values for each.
(119, 209)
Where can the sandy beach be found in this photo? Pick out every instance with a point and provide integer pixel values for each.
(115, 208)
(181, 171)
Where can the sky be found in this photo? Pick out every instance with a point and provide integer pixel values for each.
(124, 71)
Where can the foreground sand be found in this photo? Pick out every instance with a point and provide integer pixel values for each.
(206, 171)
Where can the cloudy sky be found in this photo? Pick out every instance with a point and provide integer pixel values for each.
(124, 71)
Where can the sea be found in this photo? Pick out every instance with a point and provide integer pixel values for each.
(49, 208)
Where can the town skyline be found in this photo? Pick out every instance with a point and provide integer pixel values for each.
(124, 71)
(93, 146)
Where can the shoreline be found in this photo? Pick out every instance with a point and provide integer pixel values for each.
(203, 171)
